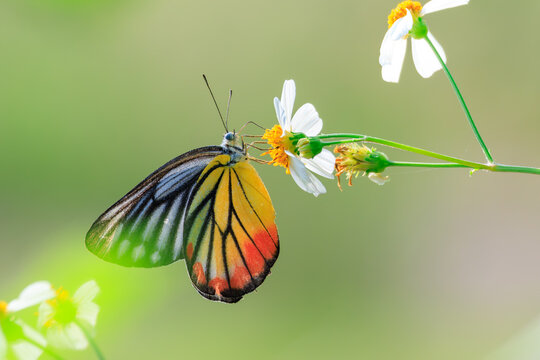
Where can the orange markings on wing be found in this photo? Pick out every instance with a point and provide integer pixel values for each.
(273, 233)
(254, 259)
(189, 251)
(218, 284)
(265, 241)
(240, 278)
(199, 273)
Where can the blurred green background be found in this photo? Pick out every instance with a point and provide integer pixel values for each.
(436, 264)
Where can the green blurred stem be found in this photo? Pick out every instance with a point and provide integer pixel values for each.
(454, 162)
(355, 138)
(496, 167)
(422, 164)
(518, 169)
(91, 340)
(45, 349)
(462, 102)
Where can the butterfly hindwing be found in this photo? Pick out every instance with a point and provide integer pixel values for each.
(145, 227)
(230, 235)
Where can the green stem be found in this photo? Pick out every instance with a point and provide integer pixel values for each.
(518, 169)
(424, 152)
(462, 102)
(91, 340)
(45, 349)
(354, 138)
(495, 168)
(340, 135)
(454, 162)
(421, 164)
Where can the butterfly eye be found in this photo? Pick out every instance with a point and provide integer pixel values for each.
(229, 136)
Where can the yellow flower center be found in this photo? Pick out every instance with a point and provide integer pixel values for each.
(401, 10)
(3, 309)
(65, 310)
(62, 295)
(279, 145)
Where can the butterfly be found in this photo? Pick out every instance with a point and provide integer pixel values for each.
(207, 206)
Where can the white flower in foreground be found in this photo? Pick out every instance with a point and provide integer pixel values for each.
(284, 140)
(63, 317)
(405, 20)
(15, 336)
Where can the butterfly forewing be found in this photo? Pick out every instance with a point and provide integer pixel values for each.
(231, 239)
(145, 227)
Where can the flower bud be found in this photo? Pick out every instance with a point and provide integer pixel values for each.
(309, 147)
(354, 159)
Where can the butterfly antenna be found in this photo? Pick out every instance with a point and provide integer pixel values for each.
(228, 107)
(215, 102)
(253, 123)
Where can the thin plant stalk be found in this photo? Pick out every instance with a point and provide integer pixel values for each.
(462, 102)
(91, 341)
(454, 162)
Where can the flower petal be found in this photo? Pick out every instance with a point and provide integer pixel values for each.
(438, 46)
(306, 120)
(391, 70)
(304, 179)
(86, 292)
(32, 295)
(397, 31)
(287, 97)
(69, 336)
(378, 178)
(23, 350)
(437, 5)
(386, 51)
(45, 313)
(31, 333)
(425, 60)
(322, 164)
(88, 312)
(282, 118)
(401, 27)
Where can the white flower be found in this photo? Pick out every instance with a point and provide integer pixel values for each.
(401, 21)
(306, 120)
(64, 316)
(15, 335)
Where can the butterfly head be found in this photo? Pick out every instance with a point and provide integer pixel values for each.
(230, 136)
(230, 139)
